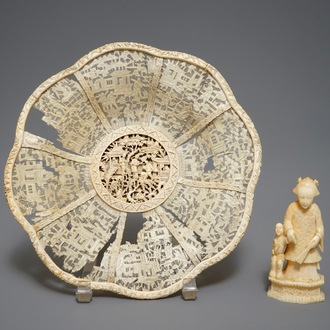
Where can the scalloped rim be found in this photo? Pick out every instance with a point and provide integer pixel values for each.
(71, 279)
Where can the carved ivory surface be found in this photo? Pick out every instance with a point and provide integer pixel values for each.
(140, 131)
(295, 257)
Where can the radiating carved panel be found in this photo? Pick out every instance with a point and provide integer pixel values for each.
(144, 132)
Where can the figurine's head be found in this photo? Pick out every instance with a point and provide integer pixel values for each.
(279, 229)
(306, 190)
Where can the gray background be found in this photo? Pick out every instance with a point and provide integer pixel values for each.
(275, 55)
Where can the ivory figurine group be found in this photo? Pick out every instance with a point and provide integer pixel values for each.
(295, 253)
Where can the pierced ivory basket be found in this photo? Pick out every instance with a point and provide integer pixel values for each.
(140, 133)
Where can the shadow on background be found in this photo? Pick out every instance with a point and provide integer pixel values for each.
(221, 271)
(25, 260)
(265, 279)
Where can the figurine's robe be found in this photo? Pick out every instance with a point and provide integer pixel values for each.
(306, 224)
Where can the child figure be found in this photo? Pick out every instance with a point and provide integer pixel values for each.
(279, 245)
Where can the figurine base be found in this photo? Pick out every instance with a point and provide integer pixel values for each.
(296, 292)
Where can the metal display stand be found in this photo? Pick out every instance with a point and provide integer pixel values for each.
(189, 291)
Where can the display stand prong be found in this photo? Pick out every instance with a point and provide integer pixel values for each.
(84, 293)
(189, 289)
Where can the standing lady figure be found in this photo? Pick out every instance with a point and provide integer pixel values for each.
(304, 230)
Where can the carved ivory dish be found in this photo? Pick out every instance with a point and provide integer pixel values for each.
(139, 131)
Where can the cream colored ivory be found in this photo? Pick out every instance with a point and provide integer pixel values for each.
(295, 256)
(140, 131)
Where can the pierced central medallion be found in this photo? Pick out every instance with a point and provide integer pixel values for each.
(135, 168)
